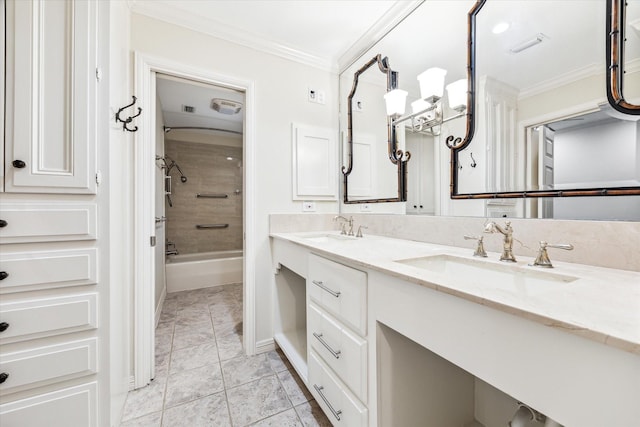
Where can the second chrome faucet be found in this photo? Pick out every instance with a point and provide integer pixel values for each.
(507, 232)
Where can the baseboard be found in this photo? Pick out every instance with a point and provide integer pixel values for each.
(265, 346)
(163, 295)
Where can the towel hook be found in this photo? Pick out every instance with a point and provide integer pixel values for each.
(473, 161)
(128, 120)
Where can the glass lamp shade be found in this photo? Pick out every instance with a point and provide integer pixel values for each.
(432, 84)
(457, 93)
(395, 102)
(421, 105)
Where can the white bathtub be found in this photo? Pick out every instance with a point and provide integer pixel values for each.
(203, 270)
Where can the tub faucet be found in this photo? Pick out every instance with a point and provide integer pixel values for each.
(345, 220)
(507, 232)
(170, 248)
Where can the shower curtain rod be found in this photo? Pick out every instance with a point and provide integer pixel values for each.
(170, 128)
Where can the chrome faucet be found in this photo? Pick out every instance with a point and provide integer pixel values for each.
(507, 232)
(345, 220)
(542, 260)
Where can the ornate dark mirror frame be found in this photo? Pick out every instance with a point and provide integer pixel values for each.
(615, 14)
(397, 157)
(615, 52)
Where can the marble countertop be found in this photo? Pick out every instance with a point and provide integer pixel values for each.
(600, 304)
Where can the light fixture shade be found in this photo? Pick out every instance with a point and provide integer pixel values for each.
(421, 105)
(395, 102)
(432, 84)
(457, 94)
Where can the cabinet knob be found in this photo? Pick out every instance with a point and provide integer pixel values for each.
(3, 377)
(3, 326)
(3, 275)
(3, 223)
(18, 164)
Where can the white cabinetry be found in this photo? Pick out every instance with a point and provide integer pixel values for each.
(50, 104)
(336, 337)
(52, 323)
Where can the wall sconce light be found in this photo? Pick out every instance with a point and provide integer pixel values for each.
(426, 113)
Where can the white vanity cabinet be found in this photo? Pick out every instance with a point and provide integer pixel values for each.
(337, 340)
(53, 334)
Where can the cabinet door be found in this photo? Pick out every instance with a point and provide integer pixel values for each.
(51, 93)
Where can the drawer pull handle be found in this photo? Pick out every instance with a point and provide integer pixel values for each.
(18, 164)
(333, 411)
(335, 353)
(3, 223)
(3, 275)
(322, 285)
(3, 326)
(4, 376)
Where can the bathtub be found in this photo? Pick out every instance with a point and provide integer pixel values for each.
(203, 270)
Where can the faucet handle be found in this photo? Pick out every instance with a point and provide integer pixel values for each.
(359, 233)
(542, 260)
(480, 248)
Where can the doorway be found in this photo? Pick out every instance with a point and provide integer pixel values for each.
(156, 167)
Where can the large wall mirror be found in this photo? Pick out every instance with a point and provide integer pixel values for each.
(543, 123)
(375, 165)
(534, 90)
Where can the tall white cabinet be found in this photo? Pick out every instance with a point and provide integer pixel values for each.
(53, 295)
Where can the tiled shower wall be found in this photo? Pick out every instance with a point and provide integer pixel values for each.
(208, 171)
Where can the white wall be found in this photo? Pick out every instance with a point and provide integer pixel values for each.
(281, 98)
(120, 211)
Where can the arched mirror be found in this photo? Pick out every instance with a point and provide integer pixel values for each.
(541, 124)
(375, 166)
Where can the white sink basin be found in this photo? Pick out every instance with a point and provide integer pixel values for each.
(326, 237)
(479, 272)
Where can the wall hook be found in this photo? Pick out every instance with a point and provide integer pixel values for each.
(128, 120)
(473, 161)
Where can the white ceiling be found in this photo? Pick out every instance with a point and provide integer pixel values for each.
(319, 32)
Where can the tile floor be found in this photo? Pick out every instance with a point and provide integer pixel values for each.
(203, 377)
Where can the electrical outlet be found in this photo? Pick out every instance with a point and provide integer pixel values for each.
(308, 206)
(365, 207)
(320, 97)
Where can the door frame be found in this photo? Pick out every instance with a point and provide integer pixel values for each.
(144, 197)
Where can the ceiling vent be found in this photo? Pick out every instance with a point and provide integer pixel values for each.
(188, 109)
(225, 106)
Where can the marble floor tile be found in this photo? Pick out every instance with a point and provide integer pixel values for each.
(189, 385)
(144, 401)
(151, 420)
(287, 418)
(242, 370)
(191, 339)
(278, 361)
(294, 387)
(199, 314)
(163, 344)
(193, 357)
(256, 400)
(229, 343)
(311, 415)
(207, 411)
(190, 379)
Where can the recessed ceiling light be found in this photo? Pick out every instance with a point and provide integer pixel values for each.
(500, 28)
(229, 158)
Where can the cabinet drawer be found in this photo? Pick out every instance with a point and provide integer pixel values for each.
(25, 369)
(47, 222)
(341, 349)
(341, 290)
(48, 316)
(42, 270)
(342, 407)
(73, 406)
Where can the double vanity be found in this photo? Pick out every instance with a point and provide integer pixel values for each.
(386, 331)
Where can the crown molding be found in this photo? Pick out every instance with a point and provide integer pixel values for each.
(162, 12)
(395, 15)
(564, 79)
